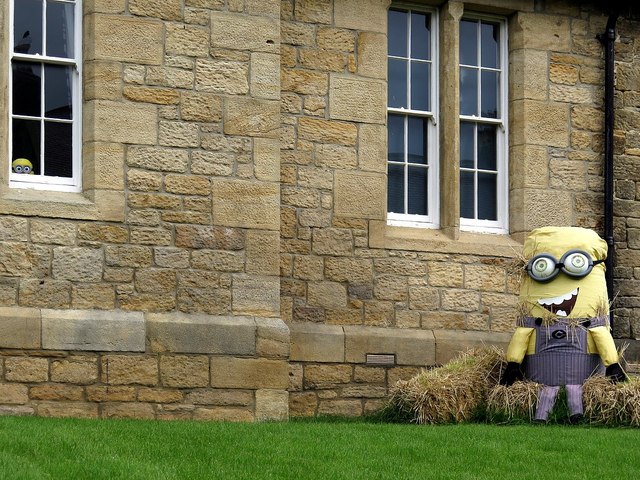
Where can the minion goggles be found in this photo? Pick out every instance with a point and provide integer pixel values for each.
(575, 263)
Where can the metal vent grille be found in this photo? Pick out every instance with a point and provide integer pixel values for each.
(381, 359)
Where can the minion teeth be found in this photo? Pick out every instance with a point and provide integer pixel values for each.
(560, 305)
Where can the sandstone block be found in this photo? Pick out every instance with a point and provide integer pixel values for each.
(321, 60)
(93, 330)
(218, 238)
(361, 15)
(528, 77)
(217, 260)
(240, 398)
(106, 6)
(222, 76)
(460, 300)
(78, 370)
(181, 333)
(150, 236)
(144, 181)
(52, 232)
(200, 107)
(19, 327)
(251, 373)
(532, 169)
(332, 241)
(542, 123)
(187, 40)
(541, 32)
(159, 395)
(26, 369)
(256, 295)
(304, 82)
(67, 410)
(360, 194)
(423, 298)
(542, 207)
(265, 76)
(187, 184)
(316, 343)
(121, 122)
(129, 370)
(327, 131)
(372, 151)
(410, 347)
(262, 252)
(251, 117)
(342, 408)
(128, 410)
(327, 295)
(13, 394)
(569, 175)
(266, 159)
(20, 259)
(272, 405)
(128, 256)
(450, 343)
(330, 38)
(166, 10)
(244, 32)
(372, 55)
(172, 77)
(356, 99)
(300, 197)
(45, 293)
(178, 134)
(272, 338)
(77, 264)
(56, 392)
(588, 118)
(445, 274)
(98, 393)
(160, 159)
(485, 278)
(302, 404)
(246, 204)
(125, 39)
(184, 371)
(92, 232)
(326, 376)
(390, 287)
(223, 414)
(170, 257)
(14, 229)
(294, 33)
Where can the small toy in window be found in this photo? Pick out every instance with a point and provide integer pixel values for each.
(23, 166)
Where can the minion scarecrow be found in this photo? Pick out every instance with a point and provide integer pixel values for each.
(563, 336)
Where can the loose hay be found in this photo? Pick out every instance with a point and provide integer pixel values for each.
(451, 393)
(606, 403)
(516, 402)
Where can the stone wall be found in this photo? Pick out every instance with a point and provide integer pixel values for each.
(230, 244)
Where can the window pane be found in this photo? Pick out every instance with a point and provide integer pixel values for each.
(397, 83)
(420, 86)
(489, 34)
(58, 151)
(417, 140)
(487, 196)
(487, 149)
(57, 91)
(26, 142)
(417, 190)
(467, 195)
(489, 94)
(27, 26)
(395, 191)
(60, 29)
(396, 138)
(467, 144)
(468, 42)
(26, 89)
(468, 91)
(397, 33)
(420, 37)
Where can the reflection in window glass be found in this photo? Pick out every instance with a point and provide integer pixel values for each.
(58, 91)
(397, 33)
(467, 195)
(60, 36)
(395, 189)
(417, 140)
(487, 148)
(487, 192)
(468, 42)
(27, 26)
(417, 191)
(420, 36)
(420, 86)
(489, 107)
(489, 44)
(395, 133)
(58, 149)
(468, 91)
(26, 88)
(397, 83)
(467, 143)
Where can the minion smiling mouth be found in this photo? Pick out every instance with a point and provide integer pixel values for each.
(560, 305)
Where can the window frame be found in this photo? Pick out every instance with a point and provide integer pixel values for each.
(501, 224)
(43, 182)
(432, 219)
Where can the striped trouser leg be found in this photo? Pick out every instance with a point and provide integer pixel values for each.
(574, 399)
(546, 400)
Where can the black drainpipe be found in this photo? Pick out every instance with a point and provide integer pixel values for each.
(608, 40)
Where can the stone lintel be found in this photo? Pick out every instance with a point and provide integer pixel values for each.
(410, 346)
(449, 343)
(312, 342)
(93, 330)
(19, 327)
(199, 333)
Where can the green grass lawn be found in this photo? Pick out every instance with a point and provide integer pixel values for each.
(40, 448)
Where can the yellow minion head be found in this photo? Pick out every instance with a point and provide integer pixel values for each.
(565, 273)
(23, 166)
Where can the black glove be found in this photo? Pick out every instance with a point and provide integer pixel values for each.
(511, 374)
(615, 373)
